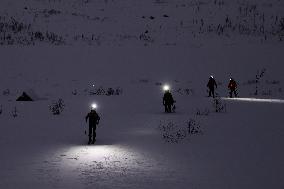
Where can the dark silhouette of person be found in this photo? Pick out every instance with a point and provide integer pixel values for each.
(212, 85)
(94, 119)
(168, 101)
(232, 86)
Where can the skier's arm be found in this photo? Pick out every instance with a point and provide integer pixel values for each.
(172, 99)
(87, 118)
(98, 120)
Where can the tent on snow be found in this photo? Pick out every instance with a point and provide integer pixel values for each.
(24, 97)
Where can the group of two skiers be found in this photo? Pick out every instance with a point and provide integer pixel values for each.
(94, 118)
(232, 86)
(168, 102)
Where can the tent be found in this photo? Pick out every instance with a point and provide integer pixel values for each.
(24, 97)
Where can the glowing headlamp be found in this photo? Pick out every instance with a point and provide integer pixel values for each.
(94, 106)
(166, 87)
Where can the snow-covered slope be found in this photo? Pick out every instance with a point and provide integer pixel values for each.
(139, 146)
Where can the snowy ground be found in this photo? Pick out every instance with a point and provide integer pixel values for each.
(237, 149)
(138, 146)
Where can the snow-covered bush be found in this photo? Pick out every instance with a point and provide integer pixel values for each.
(173, 132)
(219, 106)
(14, 31)
(118, 91)
(145, 37)
(14, 112)
(105, 91)
(258, 76)
(110, 91)
(98, 91)
(57, 107)
(204, 112)
(74, 92)
(158, 84)
(6, 92)
(185, 91)
(193, 127)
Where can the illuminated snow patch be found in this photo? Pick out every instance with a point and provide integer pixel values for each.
(107, 157)
(95, 152)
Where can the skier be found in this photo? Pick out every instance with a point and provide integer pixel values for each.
(94, 119)
(232, 86)
(211, 85)
(168, 101)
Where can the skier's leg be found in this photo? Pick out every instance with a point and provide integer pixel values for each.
(166, 110)
(90, 134)
(94, 134)
(231, 93)
(169, 108)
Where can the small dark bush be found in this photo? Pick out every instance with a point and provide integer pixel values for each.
(74, 92)
(204, 112)
(57, 107)
(193, 127)
(6, 92)
(14, 112)
(105, 91)
(219, 106)
(110, 91)
(175, 133)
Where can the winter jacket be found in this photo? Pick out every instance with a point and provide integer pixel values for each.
(168, 98)
(93, 117)
(232, 85)
(211, 83)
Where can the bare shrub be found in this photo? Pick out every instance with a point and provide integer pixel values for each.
(175, 133)
(57, 107)
(14, 112)
(219, 106)
(203, 112)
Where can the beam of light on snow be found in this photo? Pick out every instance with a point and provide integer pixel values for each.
(166, 87)
(254, 100)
